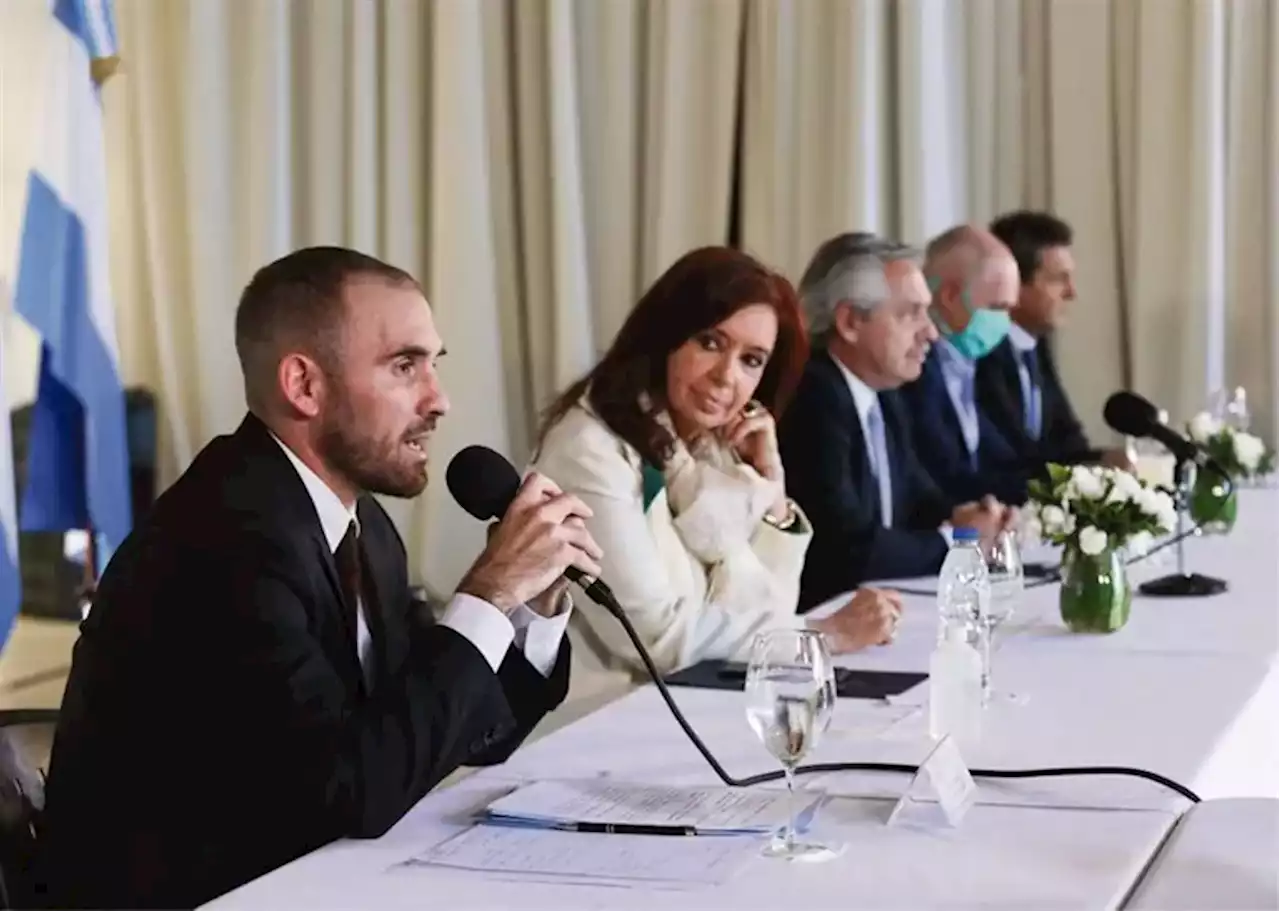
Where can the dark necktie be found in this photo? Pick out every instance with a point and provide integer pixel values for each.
(348, 559)
(1032, 409)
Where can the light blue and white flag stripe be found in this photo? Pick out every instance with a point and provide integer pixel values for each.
(78, 458)
(10, 581)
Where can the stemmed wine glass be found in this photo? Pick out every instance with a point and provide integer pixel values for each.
(790, 690)
(1004, 570)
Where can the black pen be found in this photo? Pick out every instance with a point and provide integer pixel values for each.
(600, 828)
(623, 828)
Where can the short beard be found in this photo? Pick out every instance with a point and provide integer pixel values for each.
(364, 462)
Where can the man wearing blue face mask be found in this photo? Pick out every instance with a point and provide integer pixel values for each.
(974, 282)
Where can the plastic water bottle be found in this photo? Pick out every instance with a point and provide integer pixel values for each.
(964, 600)
(955, 689)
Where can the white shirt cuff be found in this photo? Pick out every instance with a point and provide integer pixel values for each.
(482, 624)
(539, 637)
(946, 531)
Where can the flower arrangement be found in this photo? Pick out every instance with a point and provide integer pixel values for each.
(1092, 509)
(1241, 454)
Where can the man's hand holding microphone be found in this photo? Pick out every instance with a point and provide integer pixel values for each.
(539, 537)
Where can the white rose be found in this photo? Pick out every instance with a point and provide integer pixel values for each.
(1159, 505)
(1127, 483)
(1093, 541)
(1249, 450)
(1031, 530)
(1087, 482)
(1052, 519)
(1203, 426)
(1140, 544)
(1117, 494)
(1069, 526)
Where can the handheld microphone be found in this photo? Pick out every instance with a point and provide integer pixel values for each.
(484, 483)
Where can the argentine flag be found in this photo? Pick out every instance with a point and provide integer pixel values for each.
(77, 463)
(10, 588)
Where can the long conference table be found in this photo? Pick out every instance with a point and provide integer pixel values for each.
(1188, 689)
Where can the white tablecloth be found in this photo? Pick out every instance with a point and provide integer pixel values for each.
(1188, 690)
(1222, 855)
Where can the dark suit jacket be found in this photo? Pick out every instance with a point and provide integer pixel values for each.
(216, 725)
(829, 476)
(939, 439)
(999, 392)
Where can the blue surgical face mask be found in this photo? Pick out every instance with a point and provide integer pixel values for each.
(986, 330)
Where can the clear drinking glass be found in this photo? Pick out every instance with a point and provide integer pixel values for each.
(790, 690)
(1004, 569)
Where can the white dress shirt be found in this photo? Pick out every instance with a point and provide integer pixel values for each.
(483, 625)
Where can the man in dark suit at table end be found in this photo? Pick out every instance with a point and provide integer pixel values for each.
(846, 439)
(254, 679)
(1018, 383)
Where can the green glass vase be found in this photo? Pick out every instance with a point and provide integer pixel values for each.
(1095, 594)
(1212, 507)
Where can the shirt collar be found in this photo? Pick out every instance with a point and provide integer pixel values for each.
(953, 362)
(864, 397)
(334, 517)
(1021, 338)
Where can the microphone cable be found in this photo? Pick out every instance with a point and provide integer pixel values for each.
(605, 599)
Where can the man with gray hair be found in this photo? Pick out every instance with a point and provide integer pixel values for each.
(846, 439)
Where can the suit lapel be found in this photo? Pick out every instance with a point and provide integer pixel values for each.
(999, 392)
(893, 448)
(285, 499)
(384, 591)
(868, 489)
(936, 376)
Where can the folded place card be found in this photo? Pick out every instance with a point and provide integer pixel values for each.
(941, 786)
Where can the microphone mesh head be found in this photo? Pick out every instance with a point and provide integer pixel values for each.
(1130, 414)
(482, 481)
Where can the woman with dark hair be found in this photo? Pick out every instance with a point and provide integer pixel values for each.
(670, 441)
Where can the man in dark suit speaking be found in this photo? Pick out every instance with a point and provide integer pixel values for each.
(846, 437)
(254, 680)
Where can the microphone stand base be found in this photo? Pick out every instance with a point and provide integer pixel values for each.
(1183, 585)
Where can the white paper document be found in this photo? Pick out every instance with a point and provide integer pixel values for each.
(708, 810)
(566, 857)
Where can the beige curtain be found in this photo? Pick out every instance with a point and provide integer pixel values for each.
(1178, 252)
(534, 163)
(897, 116)
(1150, 125)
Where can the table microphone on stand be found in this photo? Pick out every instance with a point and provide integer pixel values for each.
(1132, 415)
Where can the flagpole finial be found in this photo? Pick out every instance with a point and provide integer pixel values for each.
(103, 68)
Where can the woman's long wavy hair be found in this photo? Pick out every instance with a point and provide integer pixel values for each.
(702, 289)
